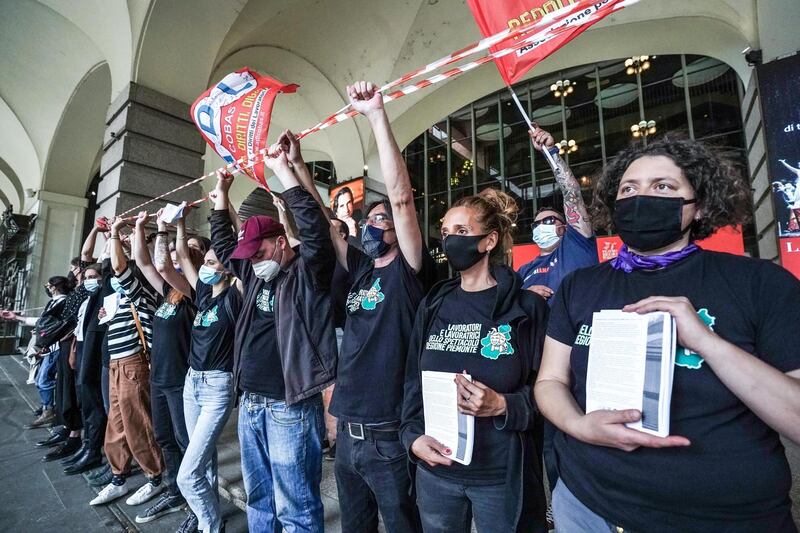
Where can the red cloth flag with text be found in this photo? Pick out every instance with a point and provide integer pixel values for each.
(493, 16)
(233, 117)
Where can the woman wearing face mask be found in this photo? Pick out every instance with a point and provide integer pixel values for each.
(736, 380)
(208, 389)
(172, 329)
(57, 288)
(88, 455)
(480, 322)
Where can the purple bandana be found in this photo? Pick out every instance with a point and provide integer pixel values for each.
(628, 261)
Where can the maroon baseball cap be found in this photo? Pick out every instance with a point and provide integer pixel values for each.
(252, 232)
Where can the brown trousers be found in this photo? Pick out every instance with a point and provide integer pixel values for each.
(129, 433)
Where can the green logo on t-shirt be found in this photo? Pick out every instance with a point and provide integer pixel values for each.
(366, 299)
(266, 300)
(166, 310)
(688, 358)
(206, 318)
(497, 342)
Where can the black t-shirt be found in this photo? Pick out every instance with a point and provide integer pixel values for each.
(381, 306)
(463, 336)
(213, 327)
(261, 370)
(734, 477)
(172, 333)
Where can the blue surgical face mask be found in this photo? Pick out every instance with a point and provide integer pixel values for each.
(208, 275)
(91, 284)
(546, 235)
(117, 287)
(372, 241)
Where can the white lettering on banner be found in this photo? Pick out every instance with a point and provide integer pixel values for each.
(461, 338)
(790, 249)
(578, 19)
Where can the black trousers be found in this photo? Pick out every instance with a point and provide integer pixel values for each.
(372, 477)
(91, 396)
(67, 408)
(169, 426)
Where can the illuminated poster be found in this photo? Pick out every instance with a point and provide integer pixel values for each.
(778, 82)
(347, 203)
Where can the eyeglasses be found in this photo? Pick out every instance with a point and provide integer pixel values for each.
(548, 220)
(375, 220)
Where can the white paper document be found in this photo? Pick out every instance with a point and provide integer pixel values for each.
(631, 365)
(111, 305)
(172, 212)
(443, 422)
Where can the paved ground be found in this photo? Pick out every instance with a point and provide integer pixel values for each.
(36, 496)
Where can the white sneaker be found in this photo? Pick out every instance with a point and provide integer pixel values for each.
(146, 492)
(110, 493)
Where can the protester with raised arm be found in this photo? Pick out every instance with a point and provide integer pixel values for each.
(387, 280)
(172, 324)
(129, 433)
(285, 351)
(565, 239)
(208, 386)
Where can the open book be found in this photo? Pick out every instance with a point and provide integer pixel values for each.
(443, 422)
(631, 364)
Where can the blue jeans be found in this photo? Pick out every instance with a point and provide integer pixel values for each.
(571, 516)
(207, 404)
(281, 450)
(446, 505)
(46, 379)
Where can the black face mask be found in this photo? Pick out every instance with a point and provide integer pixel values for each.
(48, 293)
(647, 223)
(462, 250)
(71, 277)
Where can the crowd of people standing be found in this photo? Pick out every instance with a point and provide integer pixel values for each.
(159, 341)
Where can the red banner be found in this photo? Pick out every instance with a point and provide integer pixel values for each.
(233, 116)
(493, 16)
(728, 239)
(790, 254)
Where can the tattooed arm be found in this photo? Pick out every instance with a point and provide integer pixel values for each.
(574, 206)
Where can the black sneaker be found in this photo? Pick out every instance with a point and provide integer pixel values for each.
(189, 525)
(102, 480)
(99, 472)
(165, 505)
(330, 455)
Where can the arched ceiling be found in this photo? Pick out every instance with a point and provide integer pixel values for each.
(51, 55)
(79, 137)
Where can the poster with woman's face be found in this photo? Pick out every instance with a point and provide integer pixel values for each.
(347, 203)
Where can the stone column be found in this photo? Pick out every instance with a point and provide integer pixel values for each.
(764, 214)
(150, 147)
(55, 239)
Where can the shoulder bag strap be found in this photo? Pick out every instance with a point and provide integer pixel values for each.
(139, 329)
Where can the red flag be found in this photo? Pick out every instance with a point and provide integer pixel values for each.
(233, 117)
(572, 18)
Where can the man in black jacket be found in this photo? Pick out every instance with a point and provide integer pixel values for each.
(284, 351)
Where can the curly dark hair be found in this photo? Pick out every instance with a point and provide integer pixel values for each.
(723, 196)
